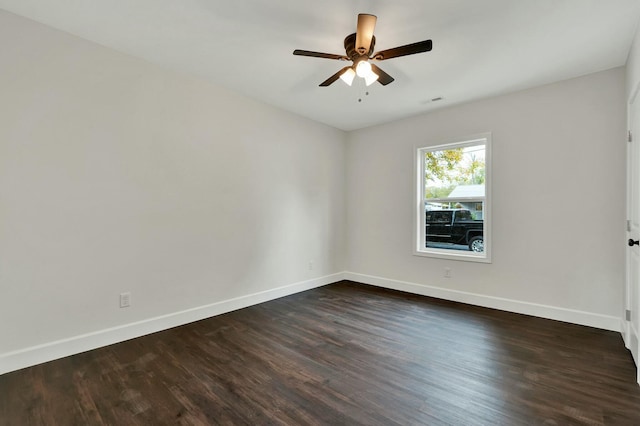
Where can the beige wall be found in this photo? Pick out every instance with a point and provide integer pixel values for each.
(118, 176)
(633, 65)
(558, 201)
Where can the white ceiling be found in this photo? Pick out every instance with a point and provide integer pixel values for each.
(481, 48)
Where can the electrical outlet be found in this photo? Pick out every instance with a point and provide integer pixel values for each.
(447, 272)
(125, 300)
(311, 265)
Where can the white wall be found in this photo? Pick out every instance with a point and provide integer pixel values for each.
(556, 149)
(116, 175)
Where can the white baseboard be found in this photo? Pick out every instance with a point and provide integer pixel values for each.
(631, 342)
(605, 322)
(34, 355)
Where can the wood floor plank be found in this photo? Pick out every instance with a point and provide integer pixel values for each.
(346, 354)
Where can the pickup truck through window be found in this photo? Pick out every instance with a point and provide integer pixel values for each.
(454, 226)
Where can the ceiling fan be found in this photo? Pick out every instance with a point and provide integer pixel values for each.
(359, 47)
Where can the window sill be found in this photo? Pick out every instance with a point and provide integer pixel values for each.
(447, 254)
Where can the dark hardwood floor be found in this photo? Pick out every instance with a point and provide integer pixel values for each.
(342, 354)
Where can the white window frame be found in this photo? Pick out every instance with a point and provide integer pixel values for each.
(419, 210)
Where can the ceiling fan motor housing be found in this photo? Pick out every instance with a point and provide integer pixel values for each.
(350, 47)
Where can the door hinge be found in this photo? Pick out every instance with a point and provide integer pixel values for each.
(627, 315)
(629, 136)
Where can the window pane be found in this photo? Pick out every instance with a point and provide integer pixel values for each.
(454, 229)
(455, 173)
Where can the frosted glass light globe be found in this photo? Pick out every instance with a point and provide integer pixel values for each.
(363, 69)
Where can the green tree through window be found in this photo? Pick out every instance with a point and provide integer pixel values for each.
(447, 169)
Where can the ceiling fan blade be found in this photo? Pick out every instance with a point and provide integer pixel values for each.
(364, 32)
(409, 49)
(383, 77)
(334, 77)
(319, 55)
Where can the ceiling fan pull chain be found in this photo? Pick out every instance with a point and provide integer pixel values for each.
(364, 91)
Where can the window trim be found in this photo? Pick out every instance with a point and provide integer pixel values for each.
(419, 210)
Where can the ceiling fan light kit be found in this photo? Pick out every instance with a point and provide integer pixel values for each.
(370, 78)
(348, 76)
(363, 69)
(358, 48)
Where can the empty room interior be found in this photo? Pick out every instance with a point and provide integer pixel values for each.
(419, 212)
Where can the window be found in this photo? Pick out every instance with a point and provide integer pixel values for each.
(453, 200)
